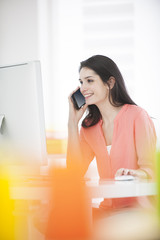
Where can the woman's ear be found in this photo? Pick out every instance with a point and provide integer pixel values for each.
(111, 81)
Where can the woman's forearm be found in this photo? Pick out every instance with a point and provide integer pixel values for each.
(74, 155)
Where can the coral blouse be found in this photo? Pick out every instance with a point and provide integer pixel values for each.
(133, 143)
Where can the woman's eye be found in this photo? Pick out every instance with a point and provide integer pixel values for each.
(80, 82)
(89, 80)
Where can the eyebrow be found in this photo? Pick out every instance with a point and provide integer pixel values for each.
(87, 77)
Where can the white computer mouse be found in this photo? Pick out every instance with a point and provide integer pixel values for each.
(124, 178)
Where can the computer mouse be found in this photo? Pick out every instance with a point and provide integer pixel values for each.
(124, 178)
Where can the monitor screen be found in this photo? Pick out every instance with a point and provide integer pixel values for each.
(22, 128)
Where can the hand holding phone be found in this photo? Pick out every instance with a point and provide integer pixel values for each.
(78, 99)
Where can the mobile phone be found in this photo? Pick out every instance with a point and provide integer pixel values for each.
(78, 99)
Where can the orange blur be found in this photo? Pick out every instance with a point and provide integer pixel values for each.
(70, 213)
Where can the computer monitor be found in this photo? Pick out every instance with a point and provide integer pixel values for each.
(22, 133)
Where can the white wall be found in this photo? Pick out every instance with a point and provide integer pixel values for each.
(18, 31)
(21, 39)
(44, 30)
(147, 55)
(52, 31)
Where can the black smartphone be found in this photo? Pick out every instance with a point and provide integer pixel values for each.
(78, 99)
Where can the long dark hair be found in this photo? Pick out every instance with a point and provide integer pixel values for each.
(118, 95)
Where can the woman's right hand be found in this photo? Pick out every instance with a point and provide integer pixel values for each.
(74, 114)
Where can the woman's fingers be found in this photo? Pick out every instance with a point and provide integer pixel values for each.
(73, 92)
(135, 173)
(119, 172)
(125, 171)
(70, 95)
(84, 107)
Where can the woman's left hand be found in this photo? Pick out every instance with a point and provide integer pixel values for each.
(136, 173)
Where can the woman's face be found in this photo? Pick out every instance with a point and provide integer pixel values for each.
(92, 87)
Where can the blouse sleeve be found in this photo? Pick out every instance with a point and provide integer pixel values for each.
(87, 152)
(145, 140)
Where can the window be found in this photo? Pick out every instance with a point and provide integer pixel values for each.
(71, 31)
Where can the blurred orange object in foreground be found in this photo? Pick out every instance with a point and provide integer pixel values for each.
(70, 214)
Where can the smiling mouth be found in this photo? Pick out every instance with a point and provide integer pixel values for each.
(88, 95)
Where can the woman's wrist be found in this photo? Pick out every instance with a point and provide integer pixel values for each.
(142, 174)
(72, 124)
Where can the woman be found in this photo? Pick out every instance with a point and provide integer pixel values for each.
(116, 131)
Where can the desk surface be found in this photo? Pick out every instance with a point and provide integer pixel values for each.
(37, 190)
(116, 189)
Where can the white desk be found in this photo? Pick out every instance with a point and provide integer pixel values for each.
(97, 189)
(118, 189)
(38, 190)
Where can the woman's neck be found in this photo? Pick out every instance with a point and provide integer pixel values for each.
(108, 112)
